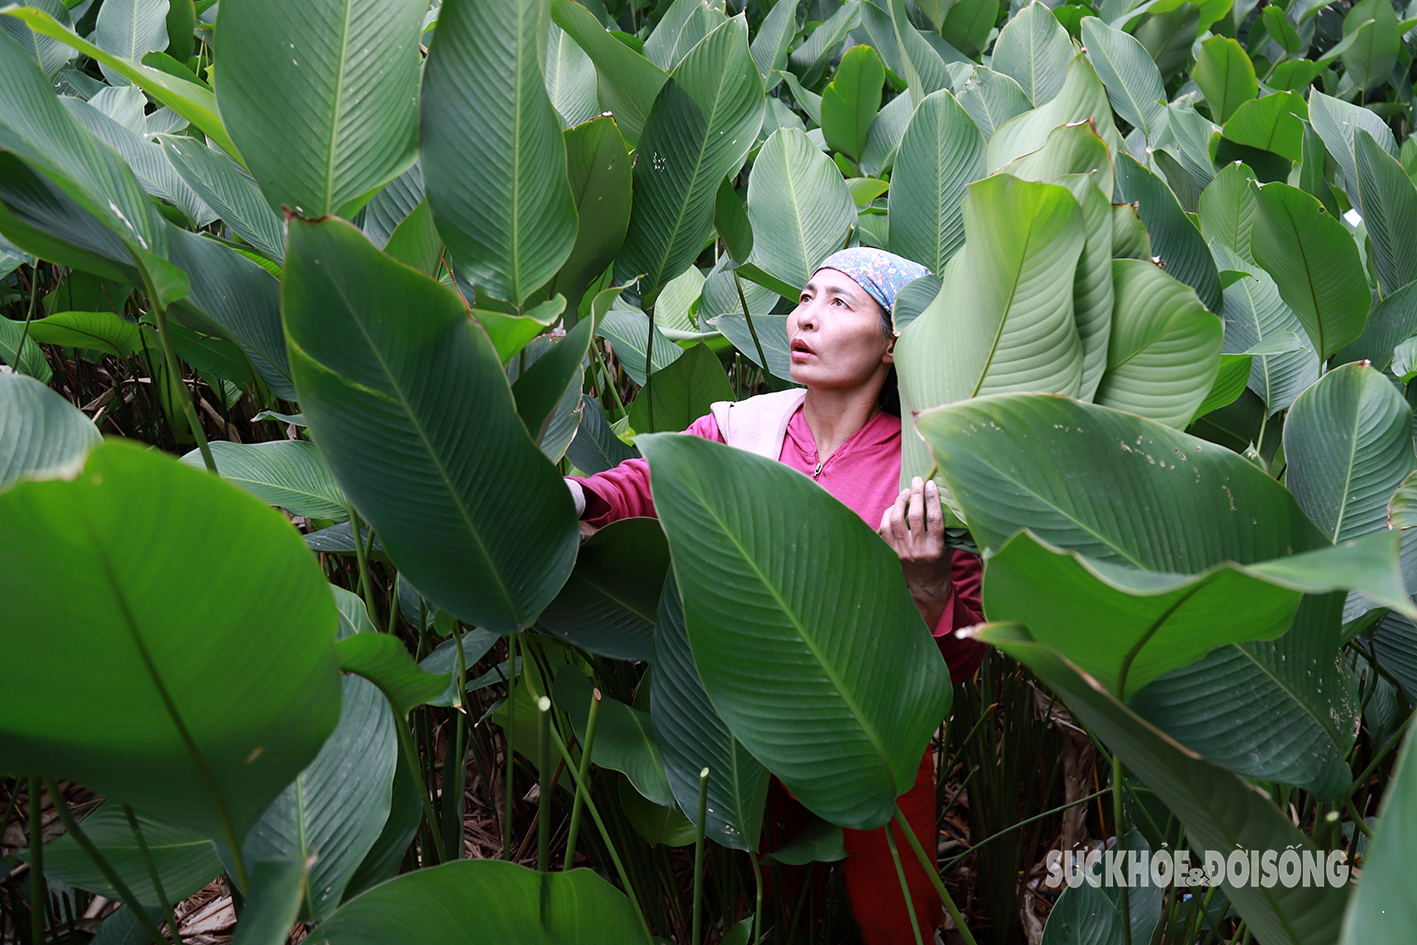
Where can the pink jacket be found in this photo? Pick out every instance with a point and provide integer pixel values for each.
(863, 473)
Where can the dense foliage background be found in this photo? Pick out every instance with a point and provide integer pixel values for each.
(393, 270)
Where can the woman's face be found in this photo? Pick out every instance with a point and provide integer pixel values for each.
(835, 334)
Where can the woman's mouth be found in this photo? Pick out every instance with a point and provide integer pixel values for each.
(801, 351)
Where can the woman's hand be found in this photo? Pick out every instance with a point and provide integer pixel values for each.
(915, 528)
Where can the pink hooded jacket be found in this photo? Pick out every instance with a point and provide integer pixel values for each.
(863, 473)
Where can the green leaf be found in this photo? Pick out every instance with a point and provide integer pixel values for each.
(41, 433)
(628, 82)
(1133, 82)
(942, 151)
(684, 23)
(570, 79)
(272, 901)
(21, 351)
(850, 102)
(544, 383)
(494, 161)
(284, 473)
(416, 243)
(485, 902)
(146, 634)
(511, 333)
(1383, 909)
(772, 335)
(598, 167)
(681, 393)
(129, 29)
(812, 56)
(49, 53)
(1376, 42)
(229, 190)
(770, 42)
(383, 660)
(1164, 350)
(1173, 236)
(798, 205)
(1083, 916)
(417, 409)
(1034, 50)
(991, 98)
(924, 65)
(810, 102)
(858, 682)
(692, 737)
(1388, 201)
(1338, 123)
(185, 861)
(1392, 321)
(1220, 811)
(987, 449)
(1004, 319)
(1272, 123)
(98, 331)
(1348, 442)
(1226, 76)
(611, 599)
(185, 96)
(596, 448)
(1227, 209)
(1081, 97)
(702, 125)
(1314, 263)
(730, 219)
(624, 737)
(1142, 624)
(969, 24)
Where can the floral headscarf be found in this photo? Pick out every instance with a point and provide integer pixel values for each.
(880, 273)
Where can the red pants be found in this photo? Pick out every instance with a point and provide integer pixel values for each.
(869, 869)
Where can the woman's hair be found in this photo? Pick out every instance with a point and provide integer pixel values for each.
(889, 397)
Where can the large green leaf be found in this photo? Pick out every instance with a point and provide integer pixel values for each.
(629, 332)
(1227, 209)
(1314, 263)
(801, 666)
(1338, 123)
(1272, 123)
(1004, 319)
(1142, 624)
(598, 167)
(129, 29)
(942, 151)
(48, 52)
(624, 736)
(1173, 236)
(544, 384)
(1033, 49)
(229, 190)
(414, 413)
(272, 900)
(770, 42)
(570, 78)
(1348, 442)
(1372, 27)
(1213, 501)
(39, 430)
(704, 120)
(1226, 76)
(321, 99)
(1133, 82)
(821, 44)
(1391, 322)
(611, 599)
(485, 902)
(628, 82)
(493, 158)
(798, 205)
(185, 861)
(1165, 347)
(1081, 97)
(1383, 910)
(285, 473)
(682, 26)
(923, 61)
(772, 335)
(1388, 202)
(681, 393)
(1219, 810)
(850, 102)
(692, 737)
(146, 633)
(991, 98)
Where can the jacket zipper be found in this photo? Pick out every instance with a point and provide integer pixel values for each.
(818, 471)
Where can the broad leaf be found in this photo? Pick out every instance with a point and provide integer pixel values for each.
(611, 599)
(772, 336)
(595, 447)
(681, 393)
(185, 861)
(1033, 49)
(146, 634)
(1081, 97)
(1314, 263)
(850, 102)
(1338, 123)
(684, 23)
(598, 167)
(1376, 41)
(770, 42)
(858, 682)
(1226, 76)
(1133, 82)
(417, 409)
(493, 158)
(798, 205)
(1227, 209)
(229, 190)
(40, 431)
(629, 332)
(48, 52)
(942, 151)
(1382, 909)
(1391, 322)
(382, 659)
(1173, 237)
(991, 98)
(570, 78)
(1273, 123)
(624, 738)
(703, 123)
(1388, 202)
(129, 29)
(272, 900)
(1004, 319)
(285, 473)
(628, 82)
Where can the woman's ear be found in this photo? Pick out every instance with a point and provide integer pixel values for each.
(889, 356)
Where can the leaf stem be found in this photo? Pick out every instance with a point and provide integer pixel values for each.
(109, 873)
(747, 316)
(904, 886)
(152, 867)
(698, 933)
(582, 772)
(649, 369)
(543, 829)
(39, 897)
(1123, 899)
(356, 528)
(932, 870)
(25, 330)
(169, 354)
(507, 742)
(410, 756)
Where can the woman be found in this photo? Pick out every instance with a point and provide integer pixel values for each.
(842, 431)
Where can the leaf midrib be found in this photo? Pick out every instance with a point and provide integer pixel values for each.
(336, 105)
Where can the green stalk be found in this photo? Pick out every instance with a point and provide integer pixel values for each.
(362, 556)
(543, 800)
(582, 772)
(411, 759)
(39, 898)
(507, 740)
(757, 898)
(109, 873)
(169, 354)
(452, 826)
(747, 316)
(152, 868)
(1358, 821)
(25, 330)
(609, 380)
(904, 886)
(649, 369)
(932, 870)
(698, 933)
(1123, 899)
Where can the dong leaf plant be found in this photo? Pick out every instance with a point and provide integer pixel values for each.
(309, 307)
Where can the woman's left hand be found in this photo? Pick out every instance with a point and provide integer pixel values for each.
(915, 528)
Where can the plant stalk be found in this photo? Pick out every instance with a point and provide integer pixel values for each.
(140, 914)
(904, 886)
(543, 800)
(757, 898)
(39, 897)
(1123, 899)
(649, 369)
(169, 354)
(932, 870)
(410, 756)
(507, 741)
(152, 868)
(699, 857)
(29, 315)
(748, 317)
(581, 774)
